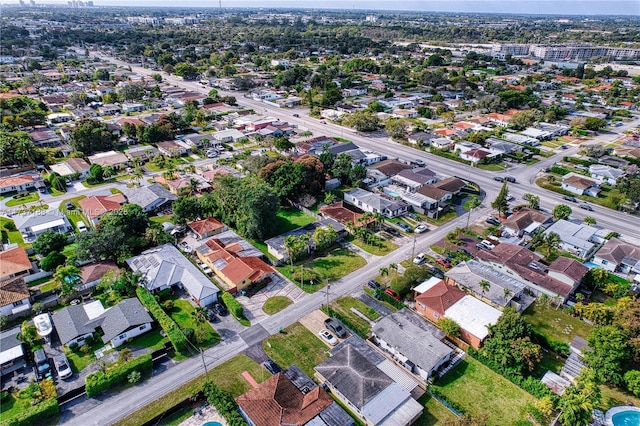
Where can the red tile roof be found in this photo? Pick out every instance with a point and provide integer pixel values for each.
(14, 261)
(97, 205)
(238, 268)
(440, 297)
(13, 290)
(8, 181)
(95, 271)
(205, 226)
(278, 402)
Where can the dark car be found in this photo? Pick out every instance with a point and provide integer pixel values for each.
(586, 207)
(296, 115)
(271, 366)
(493, 220)
(464, 251)
(436, 272)
(568, 198)
(219, 309)
(405, 227)
(498, 178)
(510, 179)
(335, 326)
(391, 231)
(374, 285)
(392, 293)
(69, 205)
(211, 316)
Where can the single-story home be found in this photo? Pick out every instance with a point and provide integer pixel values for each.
(18, 183)
(618, 256)
(95, 206)
(175, 148)
(580, 185)
(91, 274)
(276, 245)
(11, 351)
(14, 262)
(375, 203)
(32, 225)
(605, 174)
(113, 159)
(525, 222)
(71, 166)
(150, 198)
(206, 228)
(14, 295)
(143, 152)
(578, 238)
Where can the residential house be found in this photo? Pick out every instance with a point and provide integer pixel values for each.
(618, 256)
(525, 222)
(185, 183)
(580, 185)
(499, 119)
(14, 293)
(429, 199)
(11, 351)
(343, 213)
(206, 228)
(227, 136)
(164, 267)
(45, 138)
(605, 174)
(436, 300)
(174, 148)
(500, 147)
(475, 156)
(113, 159)
(293, 399)
(375, 203)
(382, 172)
(453, 185)
(18, 183)
(14, 262)
(421, 138)
(119, 323)
(236, 263)
(359, 377)
(413, 179)
(150, 198)
(197, 140)
(441, 143)
(525, 266)
(71, 167)
(143, 153)
(577, 238)
(91, 274)
(277, 247)
(32, 225)
(95, 206)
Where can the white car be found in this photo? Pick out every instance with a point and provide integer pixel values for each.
(421, 228)
(62, 365)
(488, 244)
(419, 259)
(328, 337)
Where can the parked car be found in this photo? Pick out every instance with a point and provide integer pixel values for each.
(488, 244)
(419, 259)
(271, 366)
(493, 220)
(62, 366)
(328, 337)
(586, 207)
(81, 226)
(436, 272)
(185, 247)
(374, 285)
(421, 228)
(69, 205)
(335, 326)
(42, 363)
(498, 178)
(572, 199)
(510, 179)
(391, 231)
(464, 251)
(392, 293)
(404, 227)
(211, 316)
(443, 262)
(219, 309)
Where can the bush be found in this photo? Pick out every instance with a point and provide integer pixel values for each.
(4, 395)
(233, 305)
(177, 337)
(224, 403)
(38, 414)
(99, 381)
(556, 346)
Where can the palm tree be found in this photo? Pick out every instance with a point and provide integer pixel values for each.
(589, 220)
(108, 171)
(506, 293)
(198, 316)
(484, 286)
(533, 201)
(384, 271)
(290, 245)
(192, 187)
(473, 203)
(379, 219)
(137, 175)
(552, 242)
(394, 268)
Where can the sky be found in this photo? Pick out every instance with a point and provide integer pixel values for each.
(552, 7)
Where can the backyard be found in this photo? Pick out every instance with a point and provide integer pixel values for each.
(434, 412)
(480, 392)
(555, 323)
(296, 345)
(287, 219)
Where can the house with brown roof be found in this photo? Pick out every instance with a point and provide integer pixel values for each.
(296, 401)
(90, 275)
(18, 183)
(72, 166)
(525, 222)
(95, 206)
(173, 148)
(433, 297)
(206, 228)
(343, 212)
(580, 185)
(114, 159)
(453, 185)
(380, 173)
(14, 262)
(618, 256)
(14, 296)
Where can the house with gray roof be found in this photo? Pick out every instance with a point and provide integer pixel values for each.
(618, 256)
(412, 342)
(366, 388)
(126, 320)
(375, 203)
(411, 180)
(578, 238)
(276, 245)
(11, 352)
(165, 266)
(605, 174)
(150, 198)
(32, 225)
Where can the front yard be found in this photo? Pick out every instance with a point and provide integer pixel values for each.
(382, 248)
(555, 323)
(480, 392)
(10, 233)
(19, 200)
(182, 315)
(342, 308)
(275, 304)
(296, 345)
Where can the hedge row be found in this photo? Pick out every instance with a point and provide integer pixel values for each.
(359, 329)
(233, 305)
(390, 300)
(556, 346)
(99, 381)
(225, 404)
(169, 326)
(530, 384)
(39, 414)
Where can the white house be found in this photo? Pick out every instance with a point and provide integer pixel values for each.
(374, 203)
(618, 256)
(605, 174)
(580, 185)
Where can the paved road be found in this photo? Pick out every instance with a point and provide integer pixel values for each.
(105, 410)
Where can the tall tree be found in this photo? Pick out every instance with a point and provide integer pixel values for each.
(561, 211)
(500, 203)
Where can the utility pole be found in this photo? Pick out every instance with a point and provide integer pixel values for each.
(413, 249)
(204, 364)
(327, 287)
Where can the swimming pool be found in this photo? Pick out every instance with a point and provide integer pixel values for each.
(212, 424)
(392, 193)
(623, 416)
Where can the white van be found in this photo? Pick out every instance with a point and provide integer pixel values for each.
(419, 259)
(81, 226)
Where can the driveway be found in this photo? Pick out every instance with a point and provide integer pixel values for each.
(279, 286)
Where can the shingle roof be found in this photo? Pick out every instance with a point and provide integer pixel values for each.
(569, 267)
(452, 184)
(578, 182)
(615, 250)
(72, 322)
(14, 261)
(13, 290)
(389, 167)
(147, 195)
(95, 271)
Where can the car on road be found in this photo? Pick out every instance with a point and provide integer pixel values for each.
(421, 228)
(336, 327)
(296, 115)
(510, 179)
(493, 220)
(572, 199)
(586, 207)
(563, 147)
(436, 272)
(498, 178)
(328, 337)
(271, 366)
(510, 197)
(62, 366)
(404, 227)
(392, 293)
(419, 162)
(419, 259)
(374, 285)
(323, 122)
(443, 262)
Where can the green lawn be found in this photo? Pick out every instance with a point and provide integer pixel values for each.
(94, 185)
(332, 266)
(343, 307)
(228, 376)
(29, 198)
(76, 215)
(275, 304)
(181, 314)
(296, 346)
(12, 236)
(17, 402)
(50, 285)
(348, 302)
(290, 218)
(613, 397)
(556, 324)
(160, 219)
(78, 360)
(152, 340)
(480, 391)
(434, 412)
(381, 249)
